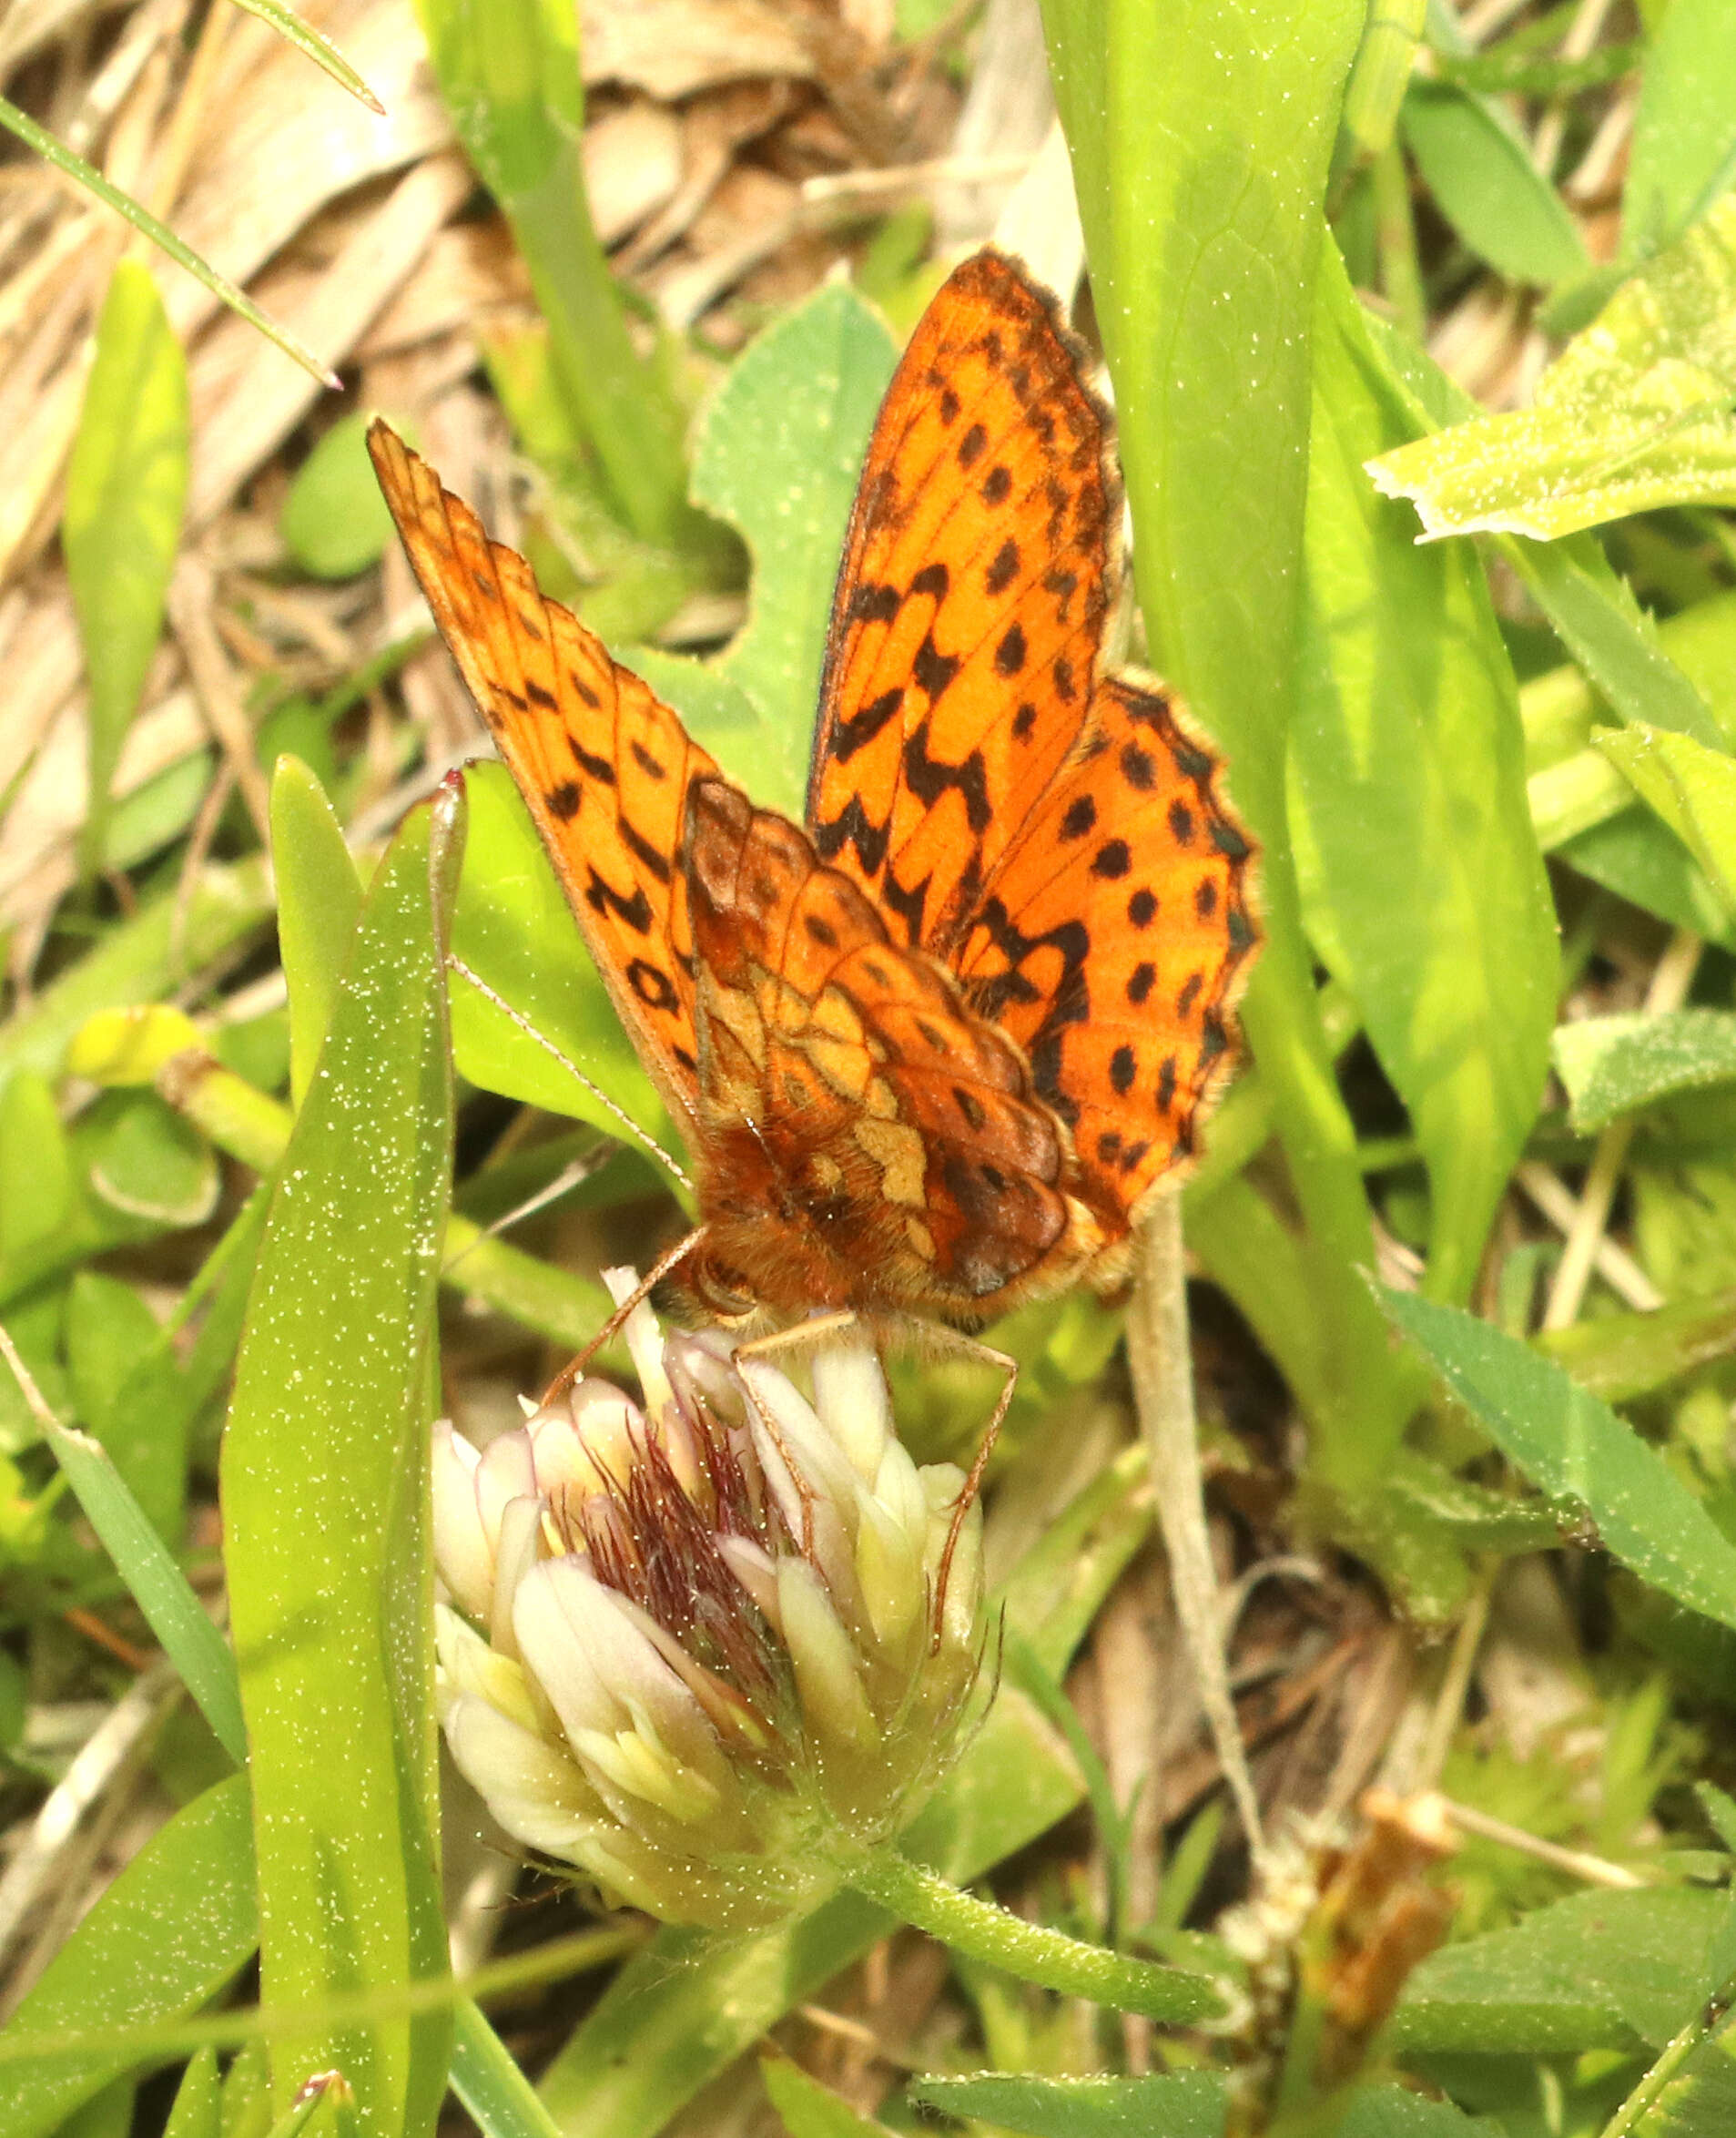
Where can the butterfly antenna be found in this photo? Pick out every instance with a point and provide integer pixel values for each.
(669, 1259)
(632, 1128)
(569, 1177)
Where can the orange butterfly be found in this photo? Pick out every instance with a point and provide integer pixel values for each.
(933, 1052)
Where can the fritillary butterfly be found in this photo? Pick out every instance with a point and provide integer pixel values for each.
(934, 1051)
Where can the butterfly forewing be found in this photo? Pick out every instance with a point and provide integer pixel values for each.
(965, 630)
(602, 764)
(1110, 943)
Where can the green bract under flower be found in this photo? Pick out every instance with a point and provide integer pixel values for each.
(713, 1647)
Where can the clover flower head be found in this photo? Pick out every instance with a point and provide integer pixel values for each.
(710, 1646)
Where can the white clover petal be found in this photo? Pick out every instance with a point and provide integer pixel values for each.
(592, 1655)
(639, 1765)
(889, 1575)
(754, 1567)
(533, 1787)
(850, 1396)
(517, 1548)
(824, 1658)
(817, 1495)
(461, 1547)
(506, 1471)
(645, 1341)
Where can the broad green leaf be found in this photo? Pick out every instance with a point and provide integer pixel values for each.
(1634, 855)
(1201, 139)
(1635, 412)
(149, 1162)
(1590, 1466)
(1599, 1970)
(335, 522)
(1480, 173)
(1189, 2104)
(1643, 672)
(1620, 1355)
(318, 899)
(1617, 1064)
(1684, 130)
(809, 2109)
(515, 930)
(126, 491)
(176, 1927)
(324, 1479)
(778, 457)
(1691, 788)
(1407, 768)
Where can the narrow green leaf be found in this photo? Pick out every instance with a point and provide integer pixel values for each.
(139, 960)
(318, 899)
(1691, 788)
(1408, 767)
(142, 1428)
(1684, 129)
(1635, 412)
(1620, 1355)
(809, 2109)
(1617, 1064)
(197, 2112)
(324, 1495)
(1588, 1464)
(126, 493)
(1480, 173)
(779, 457)
(1189, 2104)
(488, 2082)
(172, 1931)
(88, 175)
(1599, 1970)
(1201, 139)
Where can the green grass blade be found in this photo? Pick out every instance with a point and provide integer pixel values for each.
(324, 1490)
(88, 175)
(487, 2081)
(321, 50)
(126, 491)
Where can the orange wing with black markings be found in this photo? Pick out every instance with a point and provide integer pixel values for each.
(602, 764)
(1112, 941)
(969, 607)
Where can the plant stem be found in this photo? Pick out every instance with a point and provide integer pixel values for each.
(1161, 1356)
(1029, 1952)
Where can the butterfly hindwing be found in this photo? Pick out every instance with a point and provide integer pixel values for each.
(964, 634)
(897, 1124)
(602, 764)
(1112, 942)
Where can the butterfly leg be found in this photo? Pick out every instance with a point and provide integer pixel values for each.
(669, 1259)
(803, 1336)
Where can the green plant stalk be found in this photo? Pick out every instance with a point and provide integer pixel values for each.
(1637, 2112)
(1030, 1952)
(250, 1126)
(1396, 233)
(509, 74)
(1201, 141)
